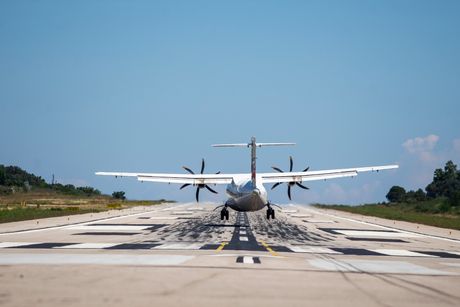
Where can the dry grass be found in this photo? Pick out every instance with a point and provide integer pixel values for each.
(46, 203)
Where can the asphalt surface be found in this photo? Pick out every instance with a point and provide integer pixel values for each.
(184, 255)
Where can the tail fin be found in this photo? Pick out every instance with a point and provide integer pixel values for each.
(253, 146)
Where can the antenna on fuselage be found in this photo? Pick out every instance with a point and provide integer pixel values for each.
(253, 145)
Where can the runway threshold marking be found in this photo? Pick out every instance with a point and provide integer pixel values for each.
(221, 247)
(268, 248)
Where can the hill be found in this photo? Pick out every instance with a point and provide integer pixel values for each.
(25, 196)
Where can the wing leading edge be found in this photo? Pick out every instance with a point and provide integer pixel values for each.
(320, 175)
(176, 178)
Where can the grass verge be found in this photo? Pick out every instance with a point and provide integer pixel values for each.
(401, 212)
(44, 204)
(23, 214)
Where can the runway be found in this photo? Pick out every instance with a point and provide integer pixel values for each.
(183, 254)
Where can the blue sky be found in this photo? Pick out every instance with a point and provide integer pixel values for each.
(150, 85)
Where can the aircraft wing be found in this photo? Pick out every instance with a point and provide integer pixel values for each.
(175, 178)
(320, 175)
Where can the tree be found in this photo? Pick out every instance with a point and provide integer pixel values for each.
(420, 195)
(445, 182)
(2, 175)
(89, 191)
(396, 194)
(119, 195)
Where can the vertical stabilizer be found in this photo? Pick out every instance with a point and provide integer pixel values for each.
(253, 146)
(253, 161)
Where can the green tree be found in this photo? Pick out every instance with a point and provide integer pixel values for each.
(119, 195)
(445, 182)
(2, 175)
(89, 191)
(420, 195)
(396, 194)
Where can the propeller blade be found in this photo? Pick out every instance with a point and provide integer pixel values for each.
(185, 185)
(202, 166)
(188, 170)
(289, 192)
(275, 185)
(277, 169)
(218, 173)
(291, 163)
(210, 190)
(302, 186)
(306, 169)
(197, 194)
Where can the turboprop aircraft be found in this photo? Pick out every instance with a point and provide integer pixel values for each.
(246, 191)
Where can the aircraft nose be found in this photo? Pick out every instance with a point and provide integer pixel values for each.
(256, 191)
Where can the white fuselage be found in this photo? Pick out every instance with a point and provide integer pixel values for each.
(244, 196)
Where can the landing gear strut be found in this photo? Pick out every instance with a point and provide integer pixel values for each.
(224, 214)
(270, 213)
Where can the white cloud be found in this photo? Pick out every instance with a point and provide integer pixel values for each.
(422, 147)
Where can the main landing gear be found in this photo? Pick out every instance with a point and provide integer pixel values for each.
(270, 213)
(224, 214)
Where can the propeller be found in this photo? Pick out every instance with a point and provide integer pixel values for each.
(290, 183)
(198, 186)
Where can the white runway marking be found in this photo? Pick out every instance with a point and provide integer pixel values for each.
(180, 246)
(313, 250)
(181, 213)
(14, 244)
(242, 232)
(244, 238)
(358, 233)
(384, 227)
(401, 252)
(301, 215)
(88, 245)
(163, 218)
(106, 259)
(452, 264)
(109, 227)
(372, 266)
(248, 260)
(319, 221)
(289, 210)
(74, 224)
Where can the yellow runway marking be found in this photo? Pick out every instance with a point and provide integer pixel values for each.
(269, 249)
(221, 247)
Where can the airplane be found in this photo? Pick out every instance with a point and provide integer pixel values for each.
(246, 191)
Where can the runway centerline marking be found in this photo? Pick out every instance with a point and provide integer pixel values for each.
(248, 260)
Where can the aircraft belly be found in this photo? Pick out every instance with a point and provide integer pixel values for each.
(248, 202)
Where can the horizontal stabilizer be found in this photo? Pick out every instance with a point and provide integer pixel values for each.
(249, 144)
